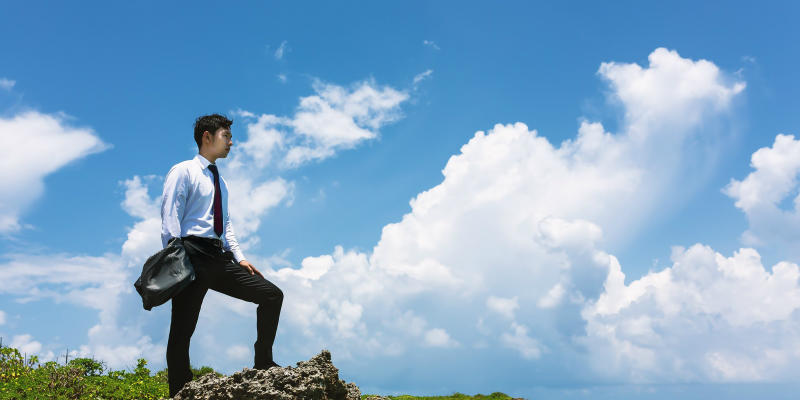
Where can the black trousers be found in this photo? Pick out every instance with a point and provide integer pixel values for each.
(215, 268)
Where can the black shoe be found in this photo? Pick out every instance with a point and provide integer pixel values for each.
(273, 364)
(268, 366)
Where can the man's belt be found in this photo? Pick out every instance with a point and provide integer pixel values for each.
(212, 241)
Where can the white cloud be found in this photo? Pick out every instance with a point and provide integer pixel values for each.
(439, 337)
(422, 76)
(251, 199)
(517, 215)
(312, 268)
(44, 143)
(84, 280)
(503, 306)
(340, 118)
(7, 84)
(238, 352)
(761, 193)
(707, 317)
(334, 119)
(511, 217)
(243, 113)
(430, 44)
(2, 317)
(282, 78)
(25, 344)
(552, 298)
(519, 340)
(669, 87)
(263, 140)
(283, 48)
(141, 242)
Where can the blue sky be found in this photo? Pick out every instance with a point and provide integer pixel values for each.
(400, 236)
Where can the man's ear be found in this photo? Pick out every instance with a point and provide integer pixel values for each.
(210, 138)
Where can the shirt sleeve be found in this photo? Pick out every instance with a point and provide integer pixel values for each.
(173, 203)
(230, 238)
(231, 244)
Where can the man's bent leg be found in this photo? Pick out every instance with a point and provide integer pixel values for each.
(267, 316)
(235, 281)
(185, 310)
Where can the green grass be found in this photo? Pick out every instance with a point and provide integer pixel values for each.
(24, 378)
(81, 378)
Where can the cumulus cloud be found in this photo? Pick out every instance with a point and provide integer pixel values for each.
(334, 119)
(670, 86)
(517, 338)
(511, 239)
(502, 306)
(253, 200)
(762, 193)
(25, 344)
(438, 337)
(43, 144)
(707, 317)
(552, 298)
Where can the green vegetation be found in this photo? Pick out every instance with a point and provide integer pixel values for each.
(80, 378)
(24, 378)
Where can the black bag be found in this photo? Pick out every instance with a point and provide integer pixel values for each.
(165, 274)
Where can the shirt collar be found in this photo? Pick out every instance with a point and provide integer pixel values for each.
(202, 160)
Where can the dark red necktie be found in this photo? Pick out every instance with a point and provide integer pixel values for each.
(217, 201)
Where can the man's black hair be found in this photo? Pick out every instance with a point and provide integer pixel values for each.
(209, 123)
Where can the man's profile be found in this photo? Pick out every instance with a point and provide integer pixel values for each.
(194, 208)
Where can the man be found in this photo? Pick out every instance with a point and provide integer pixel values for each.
(194, 208)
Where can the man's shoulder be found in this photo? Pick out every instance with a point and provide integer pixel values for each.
(183, 166)
(183, 171)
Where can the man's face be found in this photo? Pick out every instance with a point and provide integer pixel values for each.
(219, 143)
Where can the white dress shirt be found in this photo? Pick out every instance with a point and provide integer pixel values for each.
(187, 206)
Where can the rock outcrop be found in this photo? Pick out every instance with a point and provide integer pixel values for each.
(315, 379)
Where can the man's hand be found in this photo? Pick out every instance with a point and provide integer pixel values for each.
(249, 267)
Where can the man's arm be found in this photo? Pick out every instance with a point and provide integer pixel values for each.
(233, 247)
(230, 238)
(173, 203)
(232, 244)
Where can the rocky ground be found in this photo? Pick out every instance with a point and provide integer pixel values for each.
(315, 379)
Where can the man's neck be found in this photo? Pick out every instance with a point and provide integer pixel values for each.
(209, 157)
